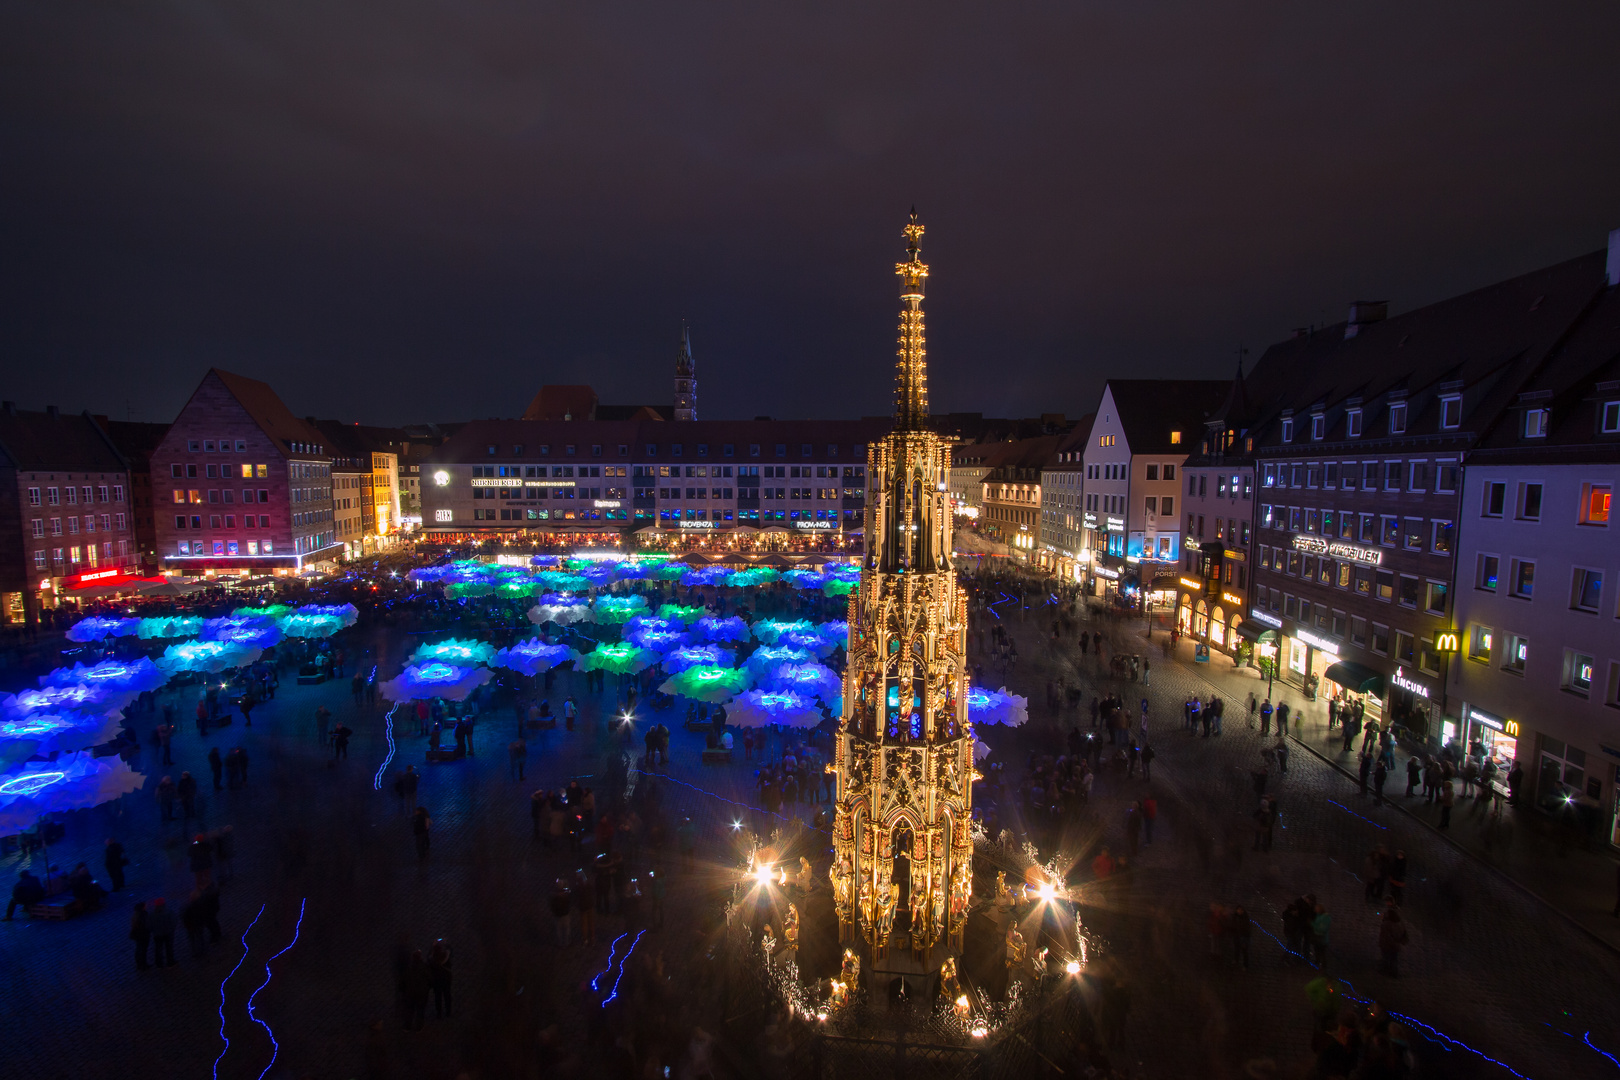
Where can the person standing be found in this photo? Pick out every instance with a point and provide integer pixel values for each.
(340, 741)
(140, 932)
(1364, 770)
(1414, 774)
(585, 905)
(1133, 828)
(517, 753)
(1147, 771)
(421, 825)
(570, 710)
(561, 906)
(114, 860)
(439, 978)
(1392, 935)
(1239, 929)
(1397, 878)
(1265, 719)
(1448, 798)
(165, 795)
(201, 854)
(160, 921)
(1380, 776)
(225, 852)
(1321, 928)
(186, 788)
(418, 984)
(191, 917)
(216, 765)
(1150, 813)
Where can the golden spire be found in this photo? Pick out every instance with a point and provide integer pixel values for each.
(911, 367)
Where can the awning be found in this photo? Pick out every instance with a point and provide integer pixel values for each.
(1255, 630)
(1357, 678)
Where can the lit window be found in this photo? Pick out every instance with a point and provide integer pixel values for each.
(1535, 423)
(1595, 504)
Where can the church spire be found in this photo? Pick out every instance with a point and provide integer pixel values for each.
(911, 365)
(685, 379)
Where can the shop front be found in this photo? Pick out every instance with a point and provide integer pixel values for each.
(1414, 704)
(1357, 687)
(1304, 657)
(1488, 736)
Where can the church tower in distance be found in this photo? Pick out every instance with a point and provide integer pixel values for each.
(685, 380)
(902, 870)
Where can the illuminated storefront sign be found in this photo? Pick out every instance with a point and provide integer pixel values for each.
(500, 481)
(1105, 572)
(1231, 598)
(1089, 520)
(1329, 647)
(1116, 524)
(818, 525)
(1265, 617)
(1338, 549)
(1445, 641)
(608, 504)
(1408, 685)
(93, 575)
(697, 524)
(1195, 586)
(1507, 727)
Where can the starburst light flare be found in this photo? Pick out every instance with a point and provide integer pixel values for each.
(436, 679)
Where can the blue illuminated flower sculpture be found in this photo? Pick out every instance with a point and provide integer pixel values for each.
(705, 575)
(809, 640)
(557, 581)
(835, 631)
(710, 628)
(838, 587)
(255, 632)
(95, 628)
(768, 630)
(319, 620)
(598, 573)
(169, 626)
(463, 652)
(714, 685)
(801, 578)
(533, 656)
(23, 733)
(617, 610)
(545, 560)
(560, 608)
(625, 658)
(767, 657)
(816, 680)
(71, 782)
(670, 571)
(123, 680)
(659, 641)
(996, 707)
(268, 611)
(762, 708)
(207, 656)
(691, 656)
(436, 679)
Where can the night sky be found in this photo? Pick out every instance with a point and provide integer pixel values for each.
(412, 211)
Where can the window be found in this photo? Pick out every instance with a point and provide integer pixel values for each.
(1409, 591)
(1419, 478)
(1522, 581)
(1352, 424)
(1535, 423)
(1586, 593)
(1609, 417)
(1318, 426)
(1392, 532)
(1369, 529)
(1288, 430)
(1494, 501)
(1394, 475)
(1578, 668)
(1450, 413)
(1479, 644)
(1441, 544)
(1404, 647)
(1595, 504)
(1434, 597)
(1167, 506)
(1153, 472)
(1386, 585)
(1529, 507)
(1380, 639)
(1445, 477)
(1268, 476)
(1414, 537)
(1397, 418)
(1169, 472)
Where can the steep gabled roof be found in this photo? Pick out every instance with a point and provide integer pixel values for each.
(1150, 410)
(267, 410)
(559, 402)
(54, 440)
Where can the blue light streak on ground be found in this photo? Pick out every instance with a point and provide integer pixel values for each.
(733, 802)
(611, 950)
(620, 979)
(388, 730)
(1587, 1039)
(227, 979)
(1352, 813)
(276, 1046)
(1441, 1037)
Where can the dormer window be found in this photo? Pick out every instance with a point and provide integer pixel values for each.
(1535, 423)
(1609, 418)
(1397, 418)
(1352, 424)
(1318, 426)
(1288, 430)
(1450, 413)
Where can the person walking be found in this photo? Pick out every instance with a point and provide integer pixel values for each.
(1397, 878)
(140, 932)
(191, 918)
(421, 824)
(1448, 797)
(1392, 935)
(1150, 814)
(114, 860)
(439, 978)
(1147, 768)
(1380, 775)
(570, 710)
(186, 788)
(216, 765)
(585, 905)
(1321, 929)
(561, 906)
(165, 796)
(1364, 771)
(160, 921)
(340, 741)
(1133, 828)
(1414, 774)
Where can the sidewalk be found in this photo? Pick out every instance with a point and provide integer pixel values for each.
(1574, 876)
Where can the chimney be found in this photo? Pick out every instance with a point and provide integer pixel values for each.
(53, 412)
(1612, 270)
(1365, 313)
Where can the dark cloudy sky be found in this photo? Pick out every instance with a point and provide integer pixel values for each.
(418, 209)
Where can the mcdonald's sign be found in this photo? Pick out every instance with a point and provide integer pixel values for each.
(1445, 641)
